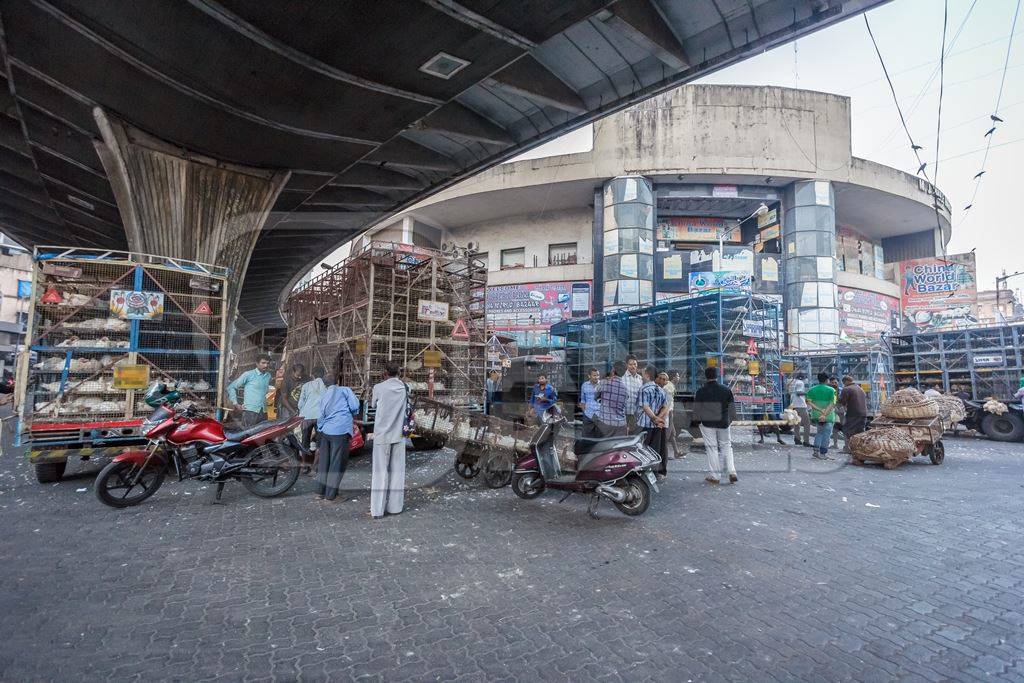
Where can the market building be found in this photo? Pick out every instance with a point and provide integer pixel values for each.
(704, 187)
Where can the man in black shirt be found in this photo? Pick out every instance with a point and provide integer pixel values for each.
(715, 408)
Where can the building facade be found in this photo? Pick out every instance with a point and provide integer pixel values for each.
(706, 187)
(999, 307)
(15, 296)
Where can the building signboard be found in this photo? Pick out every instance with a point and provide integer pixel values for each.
(864, 316)
(725, 280)
(536, 306)
(988, 360)
(435, 311)
(938, 293)
(136, 305)
(696, 229)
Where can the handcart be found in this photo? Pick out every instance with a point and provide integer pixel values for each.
(482, 443)
(925, 431)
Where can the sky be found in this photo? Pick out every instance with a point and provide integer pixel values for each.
(842, 60)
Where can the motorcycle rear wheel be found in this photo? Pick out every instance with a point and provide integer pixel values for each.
(527, 485)
(638, 496)
(282, 465)
(114, 485)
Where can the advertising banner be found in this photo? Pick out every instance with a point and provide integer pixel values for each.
(864, 316)
(536, 306)
(938, 293)
(696, 229)
(719, 279)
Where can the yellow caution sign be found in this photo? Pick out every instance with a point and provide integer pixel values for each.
(431, 358)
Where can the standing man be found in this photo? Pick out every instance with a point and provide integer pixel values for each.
(715, 408)
(612, 397)
(334, 427)
(254, 385)
(632, 381)
(288, 395)
(798, 402)
(666, 380)
(491, 389)
(650, 416)
(391, 400)
(822, 401)
(853, 398)
(543, 396)
(588, 403)
(309, 405)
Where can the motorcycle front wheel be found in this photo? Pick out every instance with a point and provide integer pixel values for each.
(277, 469)
(121, 485)
(527, 485)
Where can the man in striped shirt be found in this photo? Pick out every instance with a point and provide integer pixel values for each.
(651, 411)
(613, 396)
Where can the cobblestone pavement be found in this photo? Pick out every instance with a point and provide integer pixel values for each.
(802, 571)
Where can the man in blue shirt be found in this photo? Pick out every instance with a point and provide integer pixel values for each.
(543, 396)
(589, 404)
(338, 405)
(254, 385)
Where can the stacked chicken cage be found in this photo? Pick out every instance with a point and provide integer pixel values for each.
(102, 325)
(737, 332)
(419, 308)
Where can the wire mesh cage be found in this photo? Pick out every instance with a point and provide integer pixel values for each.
(97, 314)
(420, 308)
(738, 332)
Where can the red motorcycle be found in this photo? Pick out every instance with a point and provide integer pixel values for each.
(264, 457)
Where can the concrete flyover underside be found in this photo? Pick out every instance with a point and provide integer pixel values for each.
(328, 110)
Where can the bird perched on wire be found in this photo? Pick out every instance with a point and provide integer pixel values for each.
(916, 148)
(979, 174)
(990, 131)
(995, 119)
(919, 170)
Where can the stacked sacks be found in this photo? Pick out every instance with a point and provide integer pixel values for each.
(890, 446)
(909, 404)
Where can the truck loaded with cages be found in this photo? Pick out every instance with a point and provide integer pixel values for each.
(102, 325)
(420, 308)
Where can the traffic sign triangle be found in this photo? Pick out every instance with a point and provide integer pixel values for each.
(52, 296)
(203, 308)
(460, 331)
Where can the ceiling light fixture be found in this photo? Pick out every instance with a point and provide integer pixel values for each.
(443, 65)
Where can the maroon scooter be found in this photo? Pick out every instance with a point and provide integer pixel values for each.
(618, 468)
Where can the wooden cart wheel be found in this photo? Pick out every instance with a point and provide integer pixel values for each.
(466, 470)
(937, 453)
(498, 470)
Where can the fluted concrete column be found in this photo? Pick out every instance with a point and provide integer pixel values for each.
(184, 205)
(808, 254)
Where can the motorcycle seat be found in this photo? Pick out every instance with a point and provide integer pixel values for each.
(240, 435)
(585, 446)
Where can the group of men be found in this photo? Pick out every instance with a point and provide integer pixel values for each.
(330, 411)
(822, 404)
(630, 401)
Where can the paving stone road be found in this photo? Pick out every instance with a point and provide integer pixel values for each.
(803, 571)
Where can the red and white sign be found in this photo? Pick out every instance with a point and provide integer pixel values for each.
(203, 308)
(460, 331)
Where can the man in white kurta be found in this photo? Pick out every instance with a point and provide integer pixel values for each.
(387, 489)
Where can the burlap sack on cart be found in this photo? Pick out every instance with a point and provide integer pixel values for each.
(882, 443)
(909, 404)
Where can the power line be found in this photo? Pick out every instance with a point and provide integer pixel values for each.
(915, 148)
(935, 71)
(995, 114)
(938, 123)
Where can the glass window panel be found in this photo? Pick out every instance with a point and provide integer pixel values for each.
(562, 254)
(646, 243)
(611, 242)
(646, 292)
(646, 267)
(809, 295)
(629, 241)
(611, 268)
(629, 293)
(513, 258)
(826, 294)
(802, 269)
(628, 265)
(825, 264)
(628, 216)
(609, 293)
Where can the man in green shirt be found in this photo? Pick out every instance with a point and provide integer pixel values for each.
(254, 385)
(821, 399)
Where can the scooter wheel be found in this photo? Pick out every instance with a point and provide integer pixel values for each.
(638, 496)
(527, 485)
(120, 484)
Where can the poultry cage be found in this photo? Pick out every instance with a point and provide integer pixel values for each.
(102, 325)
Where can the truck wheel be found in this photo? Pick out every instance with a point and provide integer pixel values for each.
(49, 472)
(1005, 427)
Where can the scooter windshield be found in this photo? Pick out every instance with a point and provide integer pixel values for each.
(547, 456)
